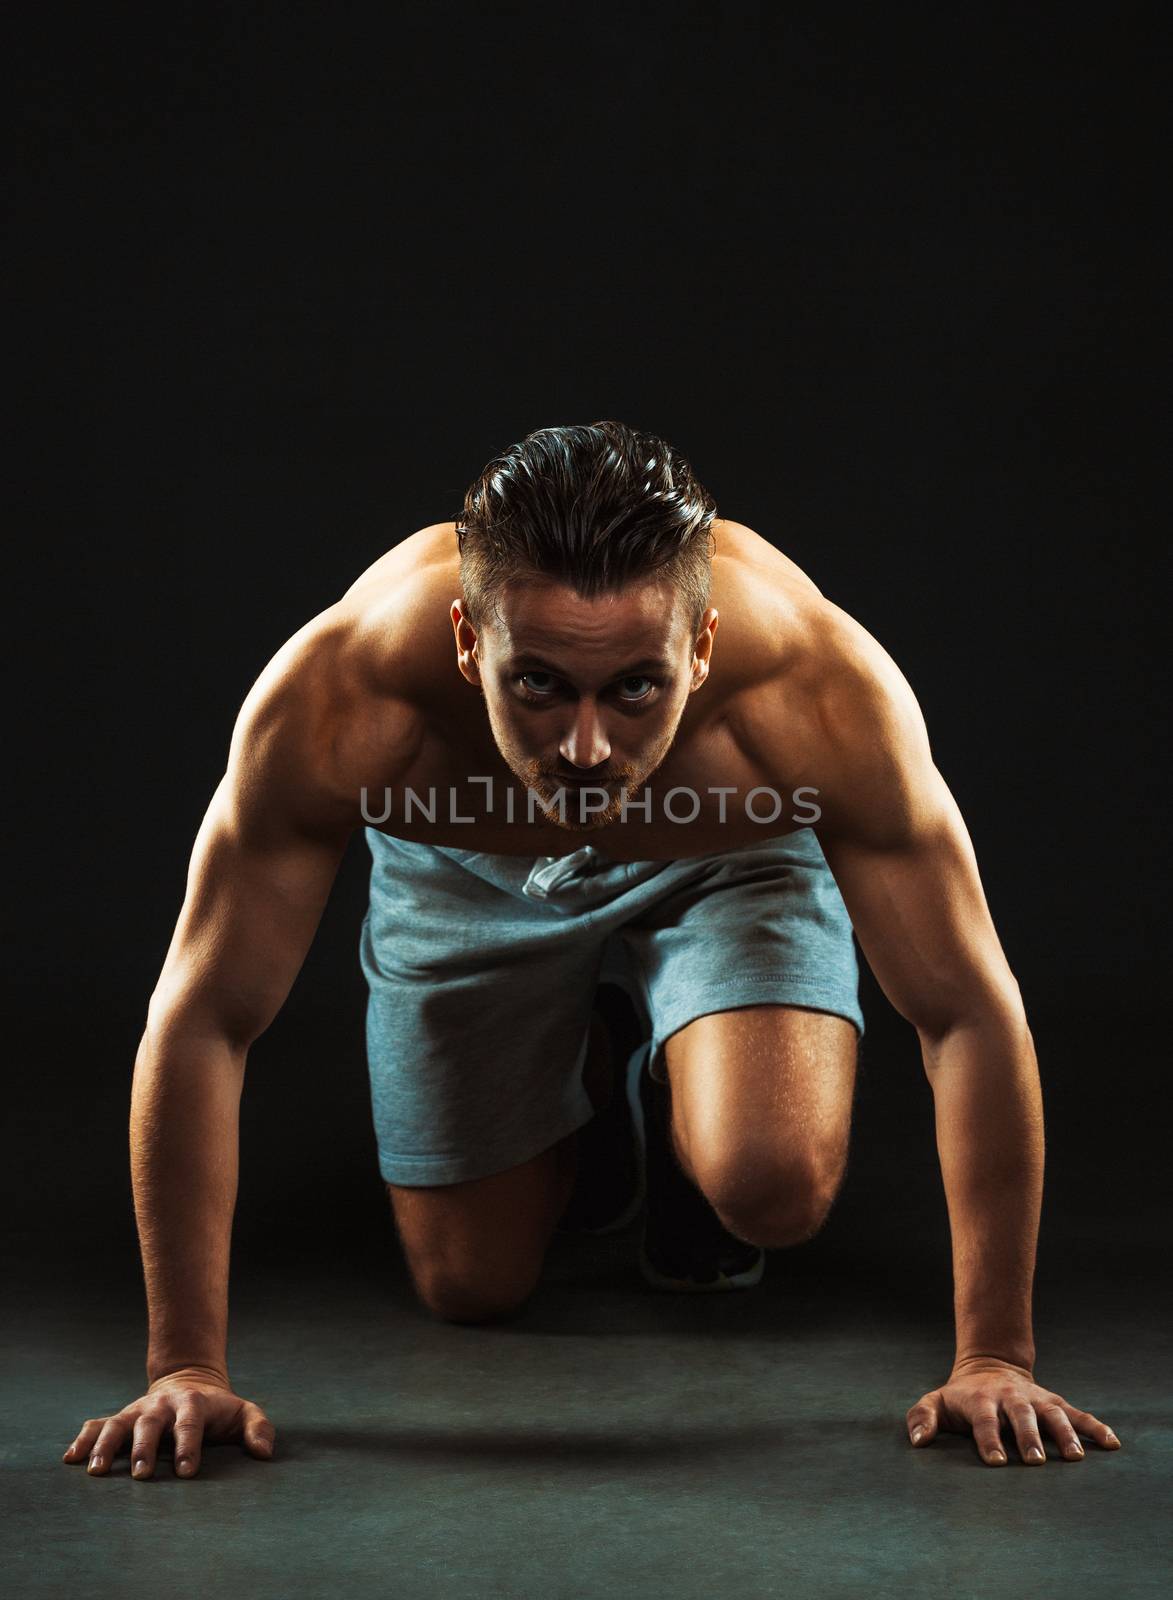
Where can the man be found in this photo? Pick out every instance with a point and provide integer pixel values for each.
(609, 631)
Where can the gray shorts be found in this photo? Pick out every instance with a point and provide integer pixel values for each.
(482, 971)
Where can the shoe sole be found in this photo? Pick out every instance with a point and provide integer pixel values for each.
(747, 1278)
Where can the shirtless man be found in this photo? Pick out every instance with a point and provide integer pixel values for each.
(655, 739)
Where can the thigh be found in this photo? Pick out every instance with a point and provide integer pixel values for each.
(763, 1094)
(475, 1249)
(762, 928)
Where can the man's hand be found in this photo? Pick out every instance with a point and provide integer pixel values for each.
(193, 1405)
(982, 1393)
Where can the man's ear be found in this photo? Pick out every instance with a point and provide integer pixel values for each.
(466, 643)
(702, 649)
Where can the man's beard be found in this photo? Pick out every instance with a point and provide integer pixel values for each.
(579, 808)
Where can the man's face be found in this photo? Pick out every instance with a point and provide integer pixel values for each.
(585, 695)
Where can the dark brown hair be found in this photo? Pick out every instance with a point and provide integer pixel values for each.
(594, 506)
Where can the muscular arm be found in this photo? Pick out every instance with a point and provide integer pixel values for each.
(902, 857)
(264, 860)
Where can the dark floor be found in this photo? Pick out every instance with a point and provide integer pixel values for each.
(609, 1441)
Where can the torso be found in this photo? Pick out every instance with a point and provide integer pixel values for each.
(753, 724)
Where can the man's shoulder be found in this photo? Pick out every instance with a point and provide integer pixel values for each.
(397, 636)
(424, 558)
(851, 676)
(871, 734)
(797, 656)
(324, 718)
(830, 709)
(344, 701)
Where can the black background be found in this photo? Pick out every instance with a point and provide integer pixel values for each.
(285, 278)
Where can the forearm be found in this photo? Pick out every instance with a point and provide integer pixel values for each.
(989, 1120)
(184, 1140)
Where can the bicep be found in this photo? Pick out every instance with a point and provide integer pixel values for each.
(260, 874)
(917, 904)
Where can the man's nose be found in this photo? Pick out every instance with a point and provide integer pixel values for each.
(585, 743)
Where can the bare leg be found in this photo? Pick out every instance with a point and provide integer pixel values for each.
(761, 1111)
(475, 1250)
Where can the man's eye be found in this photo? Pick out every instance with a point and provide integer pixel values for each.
(537, 685)
(540, 688)
(642, 694)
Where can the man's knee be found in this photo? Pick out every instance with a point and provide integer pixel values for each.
(770, 1201)
(457, 1300)
(475, 1250)
(457, 1292)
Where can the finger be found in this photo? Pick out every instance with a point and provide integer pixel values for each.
(987, 1435)
(80, 1448)
(144, 1449)
(1055, 1420)
(1026, 1432)
(259, 1433)
(922, 1419)
(189, 1435)
(108, 1443)
(1085, 1423)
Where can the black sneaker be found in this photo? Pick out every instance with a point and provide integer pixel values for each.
(685, 1248)
(609, 1188)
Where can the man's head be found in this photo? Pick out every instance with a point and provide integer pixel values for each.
(585, 565)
